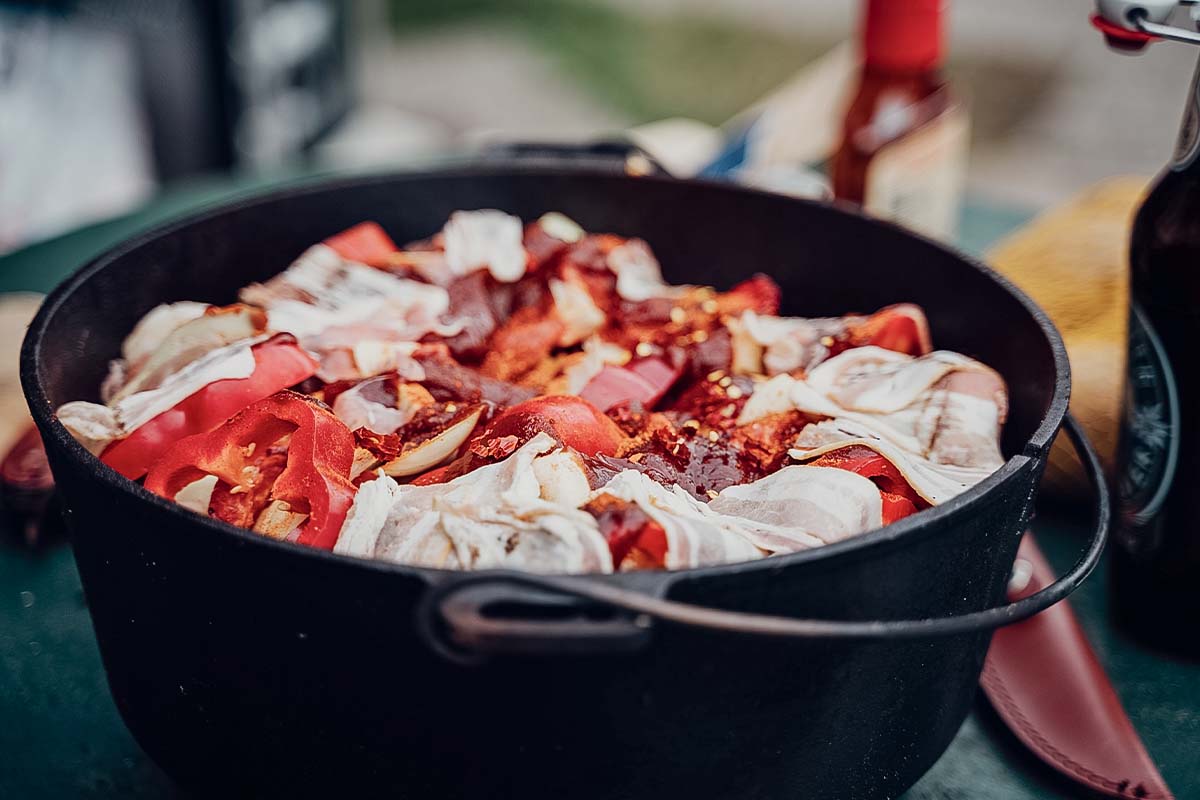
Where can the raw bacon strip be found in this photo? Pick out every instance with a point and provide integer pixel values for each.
(217, 327)
(935, 483)
(695, 535)
(485, 239)
(151, 331)
(811, 502)
(875, 380)
(639, 276)
(770, 345)
(496, 517)
(97, 426)
(331, 304)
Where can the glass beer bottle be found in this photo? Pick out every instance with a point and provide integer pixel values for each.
(1156, 544)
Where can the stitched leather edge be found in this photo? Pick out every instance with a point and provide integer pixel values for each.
(998, 692)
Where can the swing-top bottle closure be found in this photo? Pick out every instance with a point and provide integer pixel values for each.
(1129, 26)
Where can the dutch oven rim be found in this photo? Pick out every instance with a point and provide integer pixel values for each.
(850, 549)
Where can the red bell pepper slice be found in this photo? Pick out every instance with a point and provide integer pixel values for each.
(571, 420)
(758, 293)
(631, 535)
(899, 499)
(902, 328)
(316, 480)
(365, 243)
(278, 363)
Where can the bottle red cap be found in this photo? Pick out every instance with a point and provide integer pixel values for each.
(903, 34)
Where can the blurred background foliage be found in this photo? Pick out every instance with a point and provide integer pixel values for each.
(646, 66)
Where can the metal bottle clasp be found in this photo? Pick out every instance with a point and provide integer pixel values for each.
(1131, 25)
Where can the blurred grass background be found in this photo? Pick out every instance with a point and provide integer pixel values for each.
(649, 66)
(645, 66)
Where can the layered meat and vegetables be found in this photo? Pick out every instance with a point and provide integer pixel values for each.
(533, 396)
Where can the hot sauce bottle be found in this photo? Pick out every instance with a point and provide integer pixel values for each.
(904, 142)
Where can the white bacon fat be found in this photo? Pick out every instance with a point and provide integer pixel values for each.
(497, 516)
(96, 426)
(485, 239)
(766, 345)
(357, 320)
(639, 276)
(937, 418)
(523, 513)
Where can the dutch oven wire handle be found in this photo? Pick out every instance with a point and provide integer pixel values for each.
(613, 154)
(465, 618)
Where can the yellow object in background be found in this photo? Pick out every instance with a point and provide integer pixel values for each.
(1074, 262)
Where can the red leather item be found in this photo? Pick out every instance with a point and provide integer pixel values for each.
(1045, 682)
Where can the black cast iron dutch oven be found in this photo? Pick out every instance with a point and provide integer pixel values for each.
(243, 664)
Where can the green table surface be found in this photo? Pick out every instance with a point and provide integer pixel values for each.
(61, 737)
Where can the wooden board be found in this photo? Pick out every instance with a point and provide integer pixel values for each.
(1074, 262)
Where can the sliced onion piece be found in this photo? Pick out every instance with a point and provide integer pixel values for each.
(216, 328)
(197, 495)
(431, 452)
(277, 520)
(561, 227)
(364, 460)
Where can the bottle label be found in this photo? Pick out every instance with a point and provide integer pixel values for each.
(1151, 429)
(918, 180)
(1188, 144)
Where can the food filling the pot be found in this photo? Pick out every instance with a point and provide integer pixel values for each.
(537, 397)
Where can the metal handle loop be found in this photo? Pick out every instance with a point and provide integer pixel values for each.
(453, 621)
(617, 155)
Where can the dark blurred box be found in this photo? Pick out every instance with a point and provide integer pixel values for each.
(232, 83)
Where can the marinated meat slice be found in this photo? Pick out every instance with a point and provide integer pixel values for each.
(715, 399)
(767, 440)
(712, 353)
(642, 382)
(523, 341)
(591, 252)
(689, 456)
(480, 312)
(545, 243)
(447, 380)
